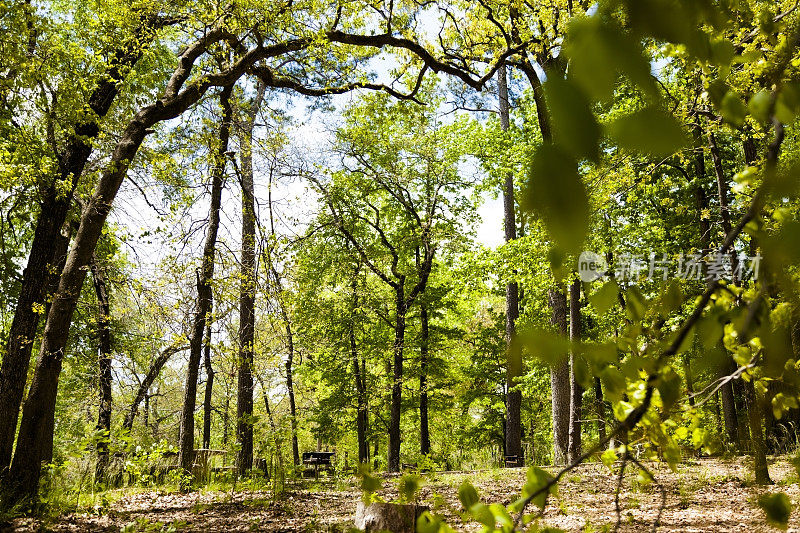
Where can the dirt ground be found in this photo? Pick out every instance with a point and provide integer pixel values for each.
(705, 495)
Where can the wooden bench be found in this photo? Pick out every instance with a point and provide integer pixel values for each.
(512, 461)
(319, 459)
(202, 462)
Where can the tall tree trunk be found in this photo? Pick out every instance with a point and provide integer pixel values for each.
(424, 434)
(152, 373)
(754, 414)
(513, 354)
(247, 293)
(104, 366)
(600, 409)
(272, 425)
(726, 391)
(574, 448)
(754, 418)
(687, 370)
(360, 379)
(204, 289)
(208, 393)
(290, 389)
(560, 382)
(53, 211)
(397, 378)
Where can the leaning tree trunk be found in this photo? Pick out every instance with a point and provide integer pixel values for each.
(247, 295)
(204, 290)
(36, 427)
(52, 215)
(52, 287)
(574, 448)
(150, 377)
(208, 393)
(104, 367)
(424, 433)
(513, 437)
(559, 382)
(397, 377)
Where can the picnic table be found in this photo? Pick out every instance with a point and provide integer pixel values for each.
(317, 459)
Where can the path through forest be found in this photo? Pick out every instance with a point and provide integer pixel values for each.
(705, 495)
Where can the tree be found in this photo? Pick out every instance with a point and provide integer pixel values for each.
(204, 280)
(247, 292)
(390, 202)
(514, 370)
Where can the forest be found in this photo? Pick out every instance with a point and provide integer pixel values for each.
(404, 265)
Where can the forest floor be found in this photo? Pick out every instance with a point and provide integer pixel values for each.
(704, 495)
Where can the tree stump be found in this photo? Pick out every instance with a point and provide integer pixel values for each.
(394, 517)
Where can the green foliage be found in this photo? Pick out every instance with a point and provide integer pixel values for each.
(777, 507)
(556, 193)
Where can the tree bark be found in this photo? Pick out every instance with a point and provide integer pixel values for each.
(290, 389)
(208, 393)
(247, 292)
(204, 289)
(359, 372)
(560, 382)
(424, 434)
(726, 391)
(52, 287)
(52, 215)
(754, 414)
(104, 353)
(574, 448)
(397, 378)
(513, 433)
(600, 409)
(150, 377)
(754, 418)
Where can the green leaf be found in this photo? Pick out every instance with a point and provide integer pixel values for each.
(787, 105)
(613, 383)
(636, 304)
(547, 346)
(778, 508)
(599, 51)
(537, 480)
(605, 297)
(501, 515)
(483, 514)
(672, 297)
(428, 523)
(648, 131)
(733, 109)
(575, 126)
(722, 51)
(370, 483)
(609, 457)
(556, 193)
(759, 105)
(408, 486)
(669, 388)
(467, 495)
